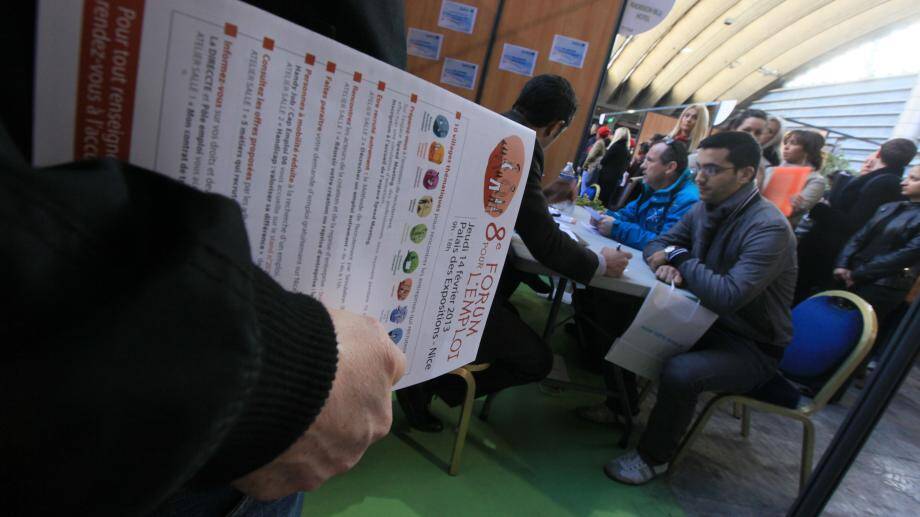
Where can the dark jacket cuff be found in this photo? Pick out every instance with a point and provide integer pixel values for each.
(678, 257)
(297, 366)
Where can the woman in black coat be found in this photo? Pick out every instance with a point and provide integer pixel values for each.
(850, 205)
(881, 261)
(612, 166)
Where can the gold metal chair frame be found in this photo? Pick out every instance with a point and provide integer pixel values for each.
(804, 412)
(466, 410)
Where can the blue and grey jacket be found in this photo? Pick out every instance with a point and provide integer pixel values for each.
(653, 212)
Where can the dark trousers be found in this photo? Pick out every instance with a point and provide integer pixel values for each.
(516, 353)
(605, 316)
(722, 362)
(884, 300)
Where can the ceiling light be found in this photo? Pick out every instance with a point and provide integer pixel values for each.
(686, 50)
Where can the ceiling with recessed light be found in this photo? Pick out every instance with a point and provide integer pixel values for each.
(707, 50)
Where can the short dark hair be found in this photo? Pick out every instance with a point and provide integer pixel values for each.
(898, 152)
(674, 151)
(738, 119)
(812, 142)
(743, 150)
(545, 99)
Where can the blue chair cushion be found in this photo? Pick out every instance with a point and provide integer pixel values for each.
(777, 391)
(825, 330)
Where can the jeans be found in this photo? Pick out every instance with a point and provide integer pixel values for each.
(721, 361)
(227, 502)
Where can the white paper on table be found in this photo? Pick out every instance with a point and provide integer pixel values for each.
(360, 184)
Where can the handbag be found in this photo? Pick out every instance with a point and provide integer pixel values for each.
(668, 323)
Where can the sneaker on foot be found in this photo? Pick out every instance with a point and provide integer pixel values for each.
(598, 413)
(631, 469)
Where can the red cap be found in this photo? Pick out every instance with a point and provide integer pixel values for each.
(603, 132)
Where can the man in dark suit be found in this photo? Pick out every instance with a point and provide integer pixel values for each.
(516, 353)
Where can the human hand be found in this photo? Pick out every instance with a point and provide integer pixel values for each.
(357, 413)
(617, 261)
(604, 225)
(668, 274)
(798, 202)
(657, 259)
(844, 275)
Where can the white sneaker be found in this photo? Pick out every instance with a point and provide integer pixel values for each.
(631, 469)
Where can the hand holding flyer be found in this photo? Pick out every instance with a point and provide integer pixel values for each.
(358, 182)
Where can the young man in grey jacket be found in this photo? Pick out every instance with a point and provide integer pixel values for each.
(737, 253)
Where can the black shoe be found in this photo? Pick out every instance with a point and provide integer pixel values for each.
(414, 402)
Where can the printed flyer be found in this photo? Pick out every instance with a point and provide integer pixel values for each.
(360, 184)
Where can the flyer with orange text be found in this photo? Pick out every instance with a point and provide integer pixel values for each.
(360, 184)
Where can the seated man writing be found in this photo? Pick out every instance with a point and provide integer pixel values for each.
(668, 192)
(516, 353)
(736, 252)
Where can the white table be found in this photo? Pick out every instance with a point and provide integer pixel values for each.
(637, 280)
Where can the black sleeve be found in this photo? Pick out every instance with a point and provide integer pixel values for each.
(142, 349)
(548, 244)
(850, 219)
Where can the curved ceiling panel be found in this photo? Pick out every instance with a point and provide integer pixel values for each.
(731, 49)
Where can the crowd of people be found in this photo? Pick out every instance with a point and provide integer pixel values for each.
(110, 307)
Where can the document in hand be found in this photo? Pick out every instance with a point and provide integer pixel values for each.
(668, 323)
(361, 185)
(784, 184)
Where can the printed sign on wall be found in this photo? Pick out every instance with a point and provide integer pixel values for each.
(424, 44)
(568, 51)
(518, 60)
(457, 17)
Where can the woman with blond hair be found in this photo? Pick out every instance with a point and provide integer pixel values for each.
(692, 126)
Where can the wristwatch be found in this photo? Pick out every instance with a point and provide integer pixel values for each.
(669, 249)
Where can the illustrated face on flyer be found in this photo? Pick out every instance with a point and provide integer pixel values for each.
(436, 153)
(503, 172)
(417, 233)
(423, 206)
(402, 290)
(398, 314)
(430, 181)
(411, 262)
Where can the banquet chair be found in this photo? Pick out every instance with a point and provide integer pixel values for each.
(818, 317)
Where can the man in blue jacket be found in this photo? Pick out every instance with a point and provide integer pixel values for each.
(668, 192)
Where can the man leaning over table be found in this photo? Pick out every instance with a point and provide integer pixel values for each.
(668, 192)
(516, 353)
(736, 252)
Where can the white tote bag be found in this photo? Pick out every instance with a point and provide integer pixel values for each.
(667, 324)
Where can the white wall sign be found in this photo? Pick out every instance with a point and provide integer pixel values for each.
(642, 15)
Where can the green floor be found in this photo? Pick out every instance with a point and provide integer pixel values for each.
(533, 457)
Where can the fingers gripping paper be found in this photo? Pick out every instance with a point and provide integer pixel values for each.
(359, 183)
(668, 323)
